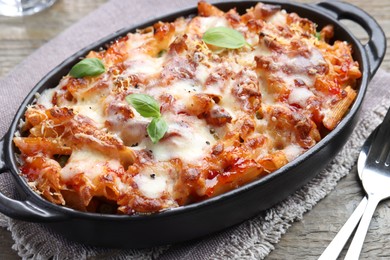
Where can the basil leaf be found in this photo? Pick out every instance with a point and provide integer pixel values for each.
(87, 67)
(161, 53)
(318, 36)
(145, 105)
(62, 159)
(157, 129)
(224, 37)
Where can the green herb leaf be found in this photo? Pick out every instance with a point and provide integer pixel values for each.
(318, 36)
(157, 129)
(161, 53)
(62, 159)
(224, 37)
(145, 105)
(87, 67)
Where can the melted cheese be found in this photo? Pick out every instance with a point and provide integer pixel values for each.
(88, 162)
(300, 96)
(142, 64)
(190, 145)
(202, 73)
(292, 151)
(153, 185)
(212, 21)
(278, 18)
(46, 98)
(92, 110)
(188, 139)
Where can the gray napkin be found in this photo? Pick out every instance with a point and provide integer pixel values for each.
(253, 239)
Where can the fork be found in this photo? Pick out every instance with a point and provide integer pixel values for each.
(376, 183)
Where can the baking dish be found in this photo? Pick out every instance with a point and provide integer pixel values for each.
(189, 222)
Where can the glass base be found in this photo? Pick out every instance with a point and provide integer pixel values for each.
(23, 7)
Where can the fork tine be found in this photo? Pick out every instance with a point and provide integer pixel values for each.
(385, 143)
(380, 147)
(387, 162)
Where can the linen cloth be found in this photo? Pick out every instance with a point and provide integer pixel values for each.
(253, 239)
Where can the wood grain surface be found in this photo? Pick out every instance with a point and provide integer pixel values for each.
(306, 239)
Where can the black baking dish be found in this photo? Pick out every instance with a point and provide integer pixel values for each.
(206, 217)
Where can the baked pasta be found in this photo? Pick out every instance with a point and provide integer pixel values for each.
(186, 110)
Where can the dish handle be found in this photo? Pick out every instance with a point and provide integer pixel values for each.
(26, 209)
(376, 46)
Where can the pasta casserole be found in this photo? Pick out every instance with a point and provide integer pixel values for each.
(182, 111)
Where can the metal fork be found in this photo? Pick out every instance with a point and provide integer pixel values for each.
(376, 182)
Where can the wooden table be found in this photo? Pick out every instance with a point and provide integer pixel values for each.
(305, 239)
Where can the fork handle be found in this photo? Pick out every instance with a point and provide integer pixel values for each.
(334, 248)
(357, 243)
